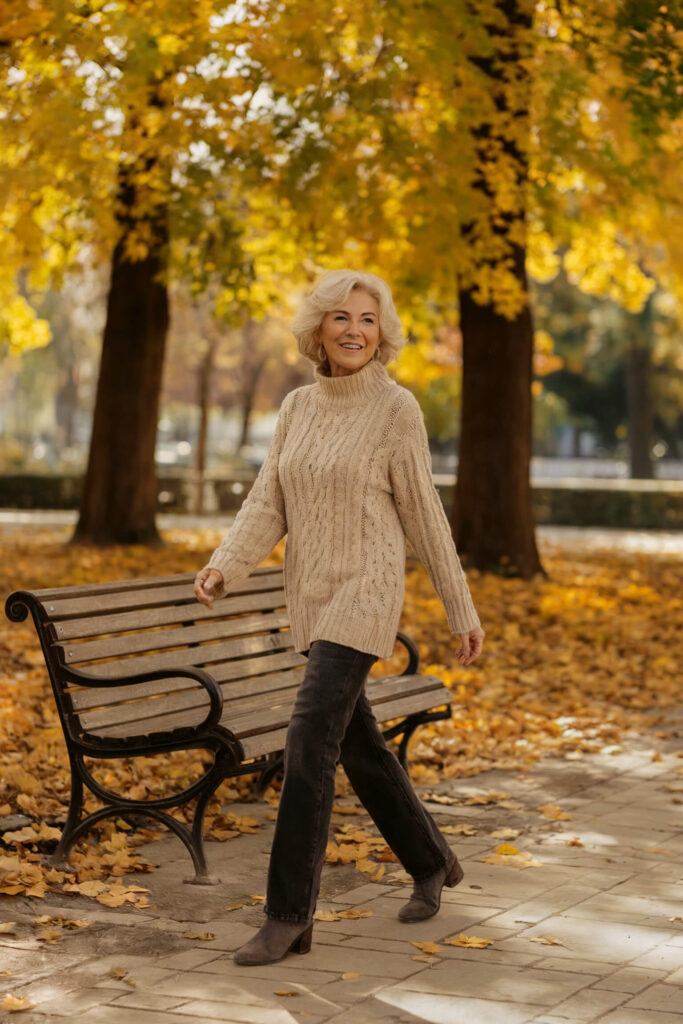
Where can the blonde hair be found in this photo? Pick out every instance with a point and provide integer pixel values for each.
(328, 293)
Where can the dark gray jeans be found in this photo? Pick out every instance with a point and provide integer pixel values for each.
(332, 721)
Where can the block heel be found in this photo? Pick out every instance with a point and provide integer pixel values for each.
(303, 943)
(455, 875)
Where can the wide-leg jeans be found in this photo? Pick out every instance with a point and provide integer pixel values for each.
(332, 721)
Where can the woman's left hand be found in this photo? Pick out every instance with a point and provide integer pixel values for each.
(470, 645)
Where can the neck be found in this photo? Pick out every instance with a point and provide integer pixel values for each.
(350, 389)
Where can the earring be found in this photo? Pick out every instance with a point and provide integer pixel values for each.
(322, 354)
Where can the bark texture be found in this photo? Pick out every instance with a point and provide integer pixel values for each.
(120, 494)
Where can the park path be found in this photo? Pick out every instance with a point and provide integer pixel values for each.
(583, 538)
(594, 932)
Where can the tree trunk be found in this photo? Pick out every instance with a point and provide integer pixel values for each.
(492, 515)
(204, 388)
(638, 372)
(248, 397)
(638, 391)
(120, 492)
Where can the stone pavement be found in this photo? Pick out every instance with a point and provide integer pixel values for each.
(593, 933)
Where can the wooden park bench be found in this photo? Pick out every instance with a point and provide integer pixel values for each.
(140, 667)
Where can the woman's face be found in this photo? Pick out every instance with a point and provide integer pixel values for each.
(350, 334)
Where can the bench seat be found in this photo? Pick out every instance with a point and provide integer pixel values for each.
(140, 666)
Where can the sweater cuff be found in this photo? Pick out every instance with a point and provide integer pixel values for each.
(461, 613)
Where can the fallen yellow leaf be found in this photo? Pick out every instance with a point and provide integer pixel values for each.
(506, 850)
(428, 947)
(554, 812)
(204, 936)
(545, 940)
(349, 975)
(469, 941)
(517, 860)
(15, 1003)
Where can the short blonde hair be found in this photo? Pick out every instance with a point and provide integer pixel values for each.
(328, 293)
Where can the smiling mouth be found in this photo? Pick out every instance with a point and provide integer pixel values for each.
(351, 347)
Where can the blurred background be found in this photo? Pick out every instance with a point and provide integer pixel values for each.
(174, 179)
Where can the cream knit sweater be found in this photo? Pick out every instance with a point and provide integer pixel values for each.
(347, 478)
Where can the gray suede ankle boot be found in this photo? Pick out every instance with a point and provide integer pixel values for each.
(273, 941)
(426, 898)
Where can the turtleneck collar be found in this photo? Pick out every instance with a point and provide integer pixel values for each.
(353, 388)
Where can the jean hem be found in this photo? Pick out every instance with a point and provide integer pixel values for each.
(289, 918)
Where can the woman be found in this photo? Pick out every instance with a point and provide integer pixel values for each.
(347, 478)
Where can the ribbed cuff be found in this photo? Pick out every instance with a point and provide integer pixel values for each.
(461, 613)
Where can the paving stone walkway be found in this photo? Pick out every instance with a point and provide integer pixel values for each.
(592, 933)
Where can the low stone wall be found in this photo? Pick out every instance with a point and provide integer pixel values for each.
(627, 504)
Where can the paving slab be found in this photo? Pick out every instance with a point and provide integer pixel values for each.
(614, 903)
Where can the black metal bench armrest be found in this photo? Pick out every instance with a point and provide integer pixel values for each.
(199, 675)
(413, 655)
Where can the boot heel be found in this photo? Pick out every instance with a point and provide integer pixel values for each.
(303, 943)
(455, 875)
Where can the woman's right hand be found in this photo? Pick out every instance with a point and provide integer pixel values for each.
(207, 585)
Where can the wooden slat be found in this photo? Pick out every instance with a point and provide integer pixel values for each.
(384, 712)
(118, 586)
(146, 597)
(264, 743)
(169, 615)
(273, 688)
(158, 639)
(110, 587)
(249, 696)
(386, 700)
(206, 654)
(262, 720)
(245, 673)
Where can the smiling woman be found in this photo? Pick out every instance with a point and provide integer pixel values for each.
(347, 478)
(349, 337)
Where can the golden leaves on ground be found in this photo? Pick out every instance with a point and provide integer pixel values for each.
(510, 856)
(428, 947)
(545, 940)
(554, 812)
(354, 914)
(14, 1004)
(468, 941)
(203, 936)
(110, 895)
(353, 845)
(121, 974)
(570, 662)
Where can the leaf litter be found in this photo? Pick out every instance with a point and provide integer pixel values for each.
(572, 662)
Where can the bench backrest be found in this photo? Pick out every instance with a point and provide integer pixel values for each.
(139, 626)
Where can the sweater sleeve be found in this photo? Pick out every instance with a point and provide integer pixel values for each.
(261, 521)
(425, 523)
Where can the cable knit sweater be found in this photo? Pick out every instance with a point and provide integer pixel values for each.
(347, 478)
